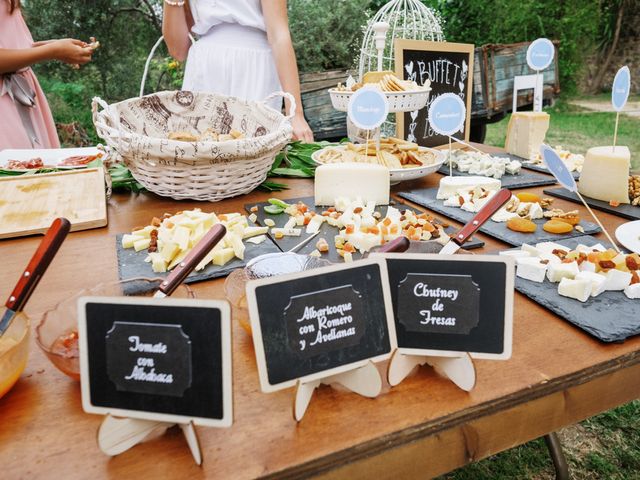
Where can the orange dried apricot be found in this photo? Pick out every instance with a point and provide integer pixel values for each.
(522, 225)
(571, 220)
(556, 226)
(528, 197)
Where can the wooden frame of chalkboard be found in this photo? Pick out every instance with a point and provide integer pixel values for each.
(279, 366)
(412, 48)
(211, 394)
(486, 272)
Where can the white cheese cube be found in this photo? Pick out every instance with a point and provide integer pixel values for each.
(181, 236)
(292, 222)
(257, 240)
(128, 240)
(548, 247)
(558, 271)
(617, 280)
(597, 281)
(367, 181)
(598, 247)
(587, 267)
(533, 251)
(531, 269)
(141, 244)
(515, 254)
(222, 256)
(158, 264)
(451, 185)
(550, 258)
(315, 223)
(578, 289)
(633, 291)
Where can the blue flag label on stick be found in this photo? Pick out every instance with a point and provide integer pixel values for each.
(447, 114)
(540, 54)
(620, 88)
(368, 108)
(556, 166)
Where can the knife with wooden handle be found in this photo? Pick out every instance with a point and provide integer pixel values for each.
(38, 264)
(494, 204)
(195, 256)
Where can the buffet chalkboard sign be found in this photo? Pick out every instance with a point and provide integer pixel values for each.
(319, 323)
(167, 360)
(449, 67)
(447, 305)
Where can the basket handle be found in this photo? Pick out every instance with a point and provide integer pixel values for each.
(148, 62)
(288, 96)
(107, 125)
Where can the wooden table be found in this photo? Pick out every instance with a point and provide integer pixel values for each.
(426, 426)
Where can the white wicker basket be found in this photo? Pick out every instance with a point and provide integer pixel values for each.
(137, 130)
(398, 101)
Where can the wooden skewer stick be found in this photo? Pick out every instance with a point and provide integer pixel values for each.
(615, 131)
(450, 164)
(598, 222)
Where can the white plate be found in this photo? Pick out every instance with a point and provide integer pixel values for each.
(628, 234)
(398, 175)
(50, 157)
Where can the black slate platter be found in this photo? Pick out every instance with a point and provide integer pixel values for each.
(326, 231)
(610, 317)
(131, 264)
(524, 179)
(540, 168)
(625, 211)
(427, 198)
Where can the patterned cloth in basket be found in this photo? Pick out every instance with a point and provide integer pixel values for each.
(137, 130)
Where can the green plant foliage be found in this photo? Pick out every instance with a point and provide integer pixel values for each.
(575, 23)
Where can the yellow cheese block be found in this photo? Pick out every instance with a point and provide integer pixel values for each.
(525, 133)
(605, 174)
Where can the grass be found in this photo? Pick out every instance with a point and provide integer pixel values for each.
(577, 129)
(606, 446)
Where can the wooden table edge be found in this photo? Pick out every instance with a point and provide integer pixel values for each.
(326, 464)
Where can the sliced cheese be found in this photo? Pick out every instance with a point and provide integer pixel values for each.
(355, 180)
(633, 291)
(558, 271)
(525, 133)
(605, 174)
(531, 269)
(597, 281)
(617, 280)
(578, 289)
(449, 186)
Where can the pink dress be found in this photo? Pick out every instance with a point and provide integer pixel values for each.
(14, 34)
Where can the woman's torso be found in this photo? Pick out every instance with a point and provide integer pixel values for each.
(209, 13)
(14, 32)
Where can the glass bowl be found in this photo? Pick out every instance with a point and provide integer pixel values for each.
(14, 351)
(268, 265)
(57, 332)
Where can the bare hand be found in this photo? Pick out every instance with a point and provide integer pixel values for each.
(301, 130)
(69, 50)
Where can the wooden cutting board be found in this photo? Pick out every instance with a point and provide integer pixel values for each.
(29, 203)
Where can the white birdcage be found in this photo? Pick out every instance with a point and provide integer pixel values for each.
(409, 19)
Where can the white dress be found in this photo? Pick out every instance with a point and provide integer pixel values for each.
(232, 55)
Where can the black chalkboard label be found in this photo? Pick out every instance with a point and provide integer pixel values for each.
(324, 321)
(149, 358)
(444, 305)
(449, 68)
(429, 303)
(321, 322)
(156, 359)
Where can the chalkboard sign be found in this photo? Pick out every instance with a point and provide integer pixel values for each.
(156, 359)
(444, 306)
(310, 325)
(449, 68)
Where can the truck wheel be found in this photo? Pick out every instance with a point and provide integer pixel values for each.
(478, 132)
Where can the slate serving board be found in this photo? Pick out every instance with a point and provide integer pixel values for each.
(625, 210)
(524, 179)
(540, 168)
(326, 231)
(131, 264)
(610, 317)
(427, 198)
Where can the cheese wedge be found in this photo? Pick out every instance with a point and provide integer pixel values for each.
(605, 174)
(525, 133)
(450, 186)
(354, 180)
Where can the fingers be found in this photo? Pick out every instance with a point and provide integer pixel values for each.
(77, 42)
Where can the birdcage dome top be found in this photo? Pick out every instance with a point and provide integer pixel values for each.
(409, 19)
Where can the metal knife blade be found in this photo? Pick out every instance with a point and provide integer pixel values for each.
(195, 256)
(494, 204)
